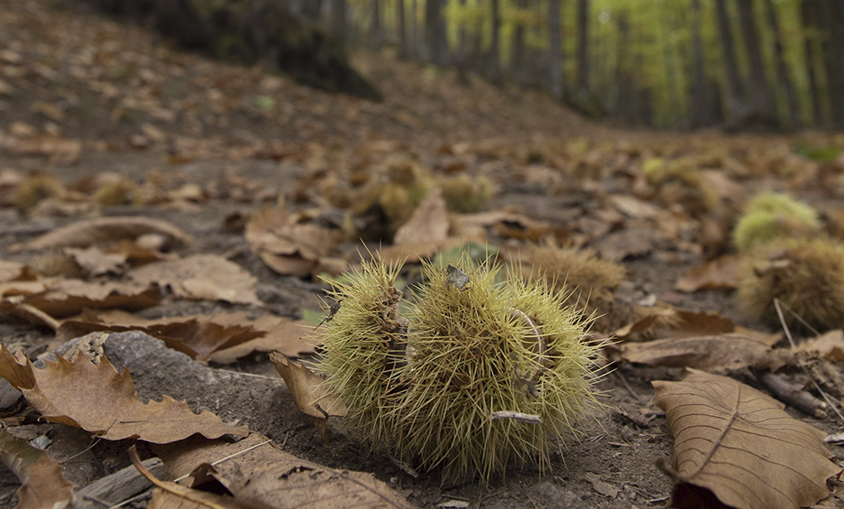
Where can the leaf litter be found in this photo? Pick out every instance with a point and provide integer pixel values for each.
(163, 259)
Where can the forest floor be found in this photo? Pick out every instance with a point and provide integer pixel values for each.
(83, 98)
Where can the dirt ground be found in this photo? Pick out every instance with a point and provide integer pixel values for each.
(208, 124)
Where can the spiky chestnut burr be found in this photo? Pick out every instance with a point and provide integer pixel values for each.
(36, 188)
(770, 216)
(806, 276)
(453, 386)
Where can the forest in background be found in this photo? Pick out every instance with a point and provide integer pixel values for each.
(774, 64)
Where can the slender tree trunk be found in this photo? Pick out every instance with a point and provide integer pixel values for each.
(783, 77)
(701, 114)
(338, 19)
(809, 17)
(413, 46)
(672, 81)
(403, 53)
(495, 46)
(435, 32)
(312, 9)
(376, 38)
(832, 19)
(764, 100)
(517, 50)
(461, 38)
(583, 50)
(555, 51)
(736, 104)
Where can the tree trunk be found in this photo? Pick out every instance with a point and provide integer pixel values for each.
(701, 107)
(809, 17)
(495, 46)
(312, 9)
(413, 47)
(401, 28)
(376, 38)
(435, 40)
(583, 50)
(555, 54)
(783, 77)
(736, 105)
(338, 19)
(764, 103)
(832, 18)
(517, 53)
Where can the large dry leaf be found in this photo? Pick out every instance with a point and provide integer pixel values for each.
(293, 338)
(43, 486)
(741, 445)
(257, 472)
(105, 230)
(708, 353)
(428, 223)
(100, 400)
(169, 495)
(201, 277)
(66, 297)
(310, 392)
(290, 243)
(719, 274)
(96, 262)
(196, 336)
(222, 338)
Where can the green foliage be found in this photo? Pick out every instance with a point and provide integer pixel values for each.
(822, 154)
(427, 381)
(771, 216)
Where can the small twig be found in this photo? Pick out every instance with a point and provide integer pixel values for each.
(241, 373)
(516, 416)
(794, 396)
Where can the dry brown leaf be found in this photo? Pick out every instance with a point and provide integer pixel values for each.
(66, 297)
(723, 351)
(196, 336)
(57, 149)
(692, 323)
(719, 274)
(633, 207)
(260, 471)
(292, 338)
(739, 444)
(43, 486)
(100, 400)
(14, 271)
(628, 243)
(95, 262)
(169, 495)
(105, 230)
(309, 391)
(477, 227)
(830, 345)
(201, 277)
(222, 338)
(428, 223)
(290, 243)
